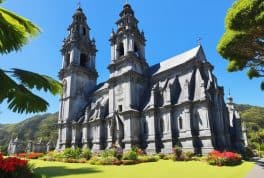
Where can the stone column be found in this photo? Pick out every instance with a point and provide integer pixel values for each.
(85, 135)
(96, 139)
(65, 136)
(109, 139)
(167, 136)
(152, 99)
(111, 101)
(167, 98)
(74, 135)
(150, 119)
(125, 42)
(205, 135)
(113, 51)
(185, 135)
(128, 130)
(128, 96)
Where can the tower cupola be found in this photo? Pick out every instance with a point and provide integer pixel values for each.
(78, 48)
(127, 39)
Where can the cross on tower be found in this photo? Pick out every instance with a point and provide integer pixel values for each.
(199, 40)
(79, 3)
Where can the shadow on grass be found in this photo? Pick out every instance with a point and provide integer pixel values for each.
(46, 172)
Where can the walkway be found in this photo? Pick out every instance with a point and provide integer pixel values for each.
(257, 171)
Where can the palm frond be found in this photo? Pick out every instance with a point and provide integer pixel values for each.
(34, 80)
(11, 38)
(15, 31)
(1, 1)
(19, 98)
(22, 100)
(28, 26)
(6, 84)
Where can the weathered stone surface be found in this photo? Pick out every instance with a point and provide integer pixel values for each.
(175, 102)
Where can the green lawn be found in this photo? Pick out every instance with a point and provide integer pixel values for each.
(160, 169)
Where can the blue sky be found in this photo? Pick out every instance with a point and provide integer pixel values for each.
(170, 26)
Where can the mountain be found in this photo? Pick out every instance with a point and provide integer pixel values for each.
(253, 116)
(34, 128)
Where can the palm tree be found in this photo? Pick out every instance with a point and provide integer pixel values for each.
(16, 84)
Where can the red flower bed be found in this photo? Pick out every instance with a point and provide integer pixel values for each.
(13, 167)
(223, 158)
(30, 155)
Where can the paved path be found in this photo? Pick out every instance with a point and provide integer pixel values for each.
(257, 171)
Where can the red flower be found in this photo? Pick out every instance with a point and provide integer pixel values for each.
(11, 164)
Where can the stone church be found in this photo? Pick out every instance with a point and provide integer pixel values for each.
(174, 102)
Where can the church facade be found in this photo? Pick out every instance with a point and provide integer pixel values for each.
(175, 102)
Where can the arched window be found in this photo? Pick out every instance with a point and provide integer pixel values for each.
(145, 127)
(196, 121)
(83, 60)
(136, 50)
(180, 123)
(162, 125)
(67, 60)
(120, 49)
(84, 31)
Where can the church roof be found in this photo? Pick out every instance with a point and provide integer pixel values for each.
(175, 61)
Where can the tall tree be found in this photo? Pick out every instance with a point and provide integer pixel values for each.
(243, 41)
(16, 84)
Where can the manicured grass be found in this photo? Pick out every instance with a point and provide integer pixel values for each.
(160, 169)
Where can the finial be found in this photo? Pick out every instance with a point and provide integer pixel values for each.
(229, 98)
(126, 1)
(79, 4)
(199, 41)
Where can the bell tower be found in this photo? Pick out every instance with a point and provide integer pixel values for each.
(127, 40)
(128, 78)
(78, 75)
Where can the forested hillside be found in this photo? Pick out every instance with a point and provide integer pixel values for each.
(44, 127)
(37, 127)
(253, 117)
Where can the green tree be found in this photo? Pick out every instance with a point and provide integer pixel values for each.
(16, 84)
(243, 41)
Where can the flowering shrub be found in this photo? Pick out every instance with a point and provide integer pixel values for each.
(130, 155)
(179, 155)
(13, 167)
(223, 158)
(53, 156)
(70, 153)
(30, 155)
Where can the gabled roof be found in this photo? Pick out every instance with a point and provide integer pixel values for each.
(176, 60)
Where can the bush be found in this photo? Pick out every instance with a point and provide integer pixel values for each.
(110, 160)
(189, 155)
(223, 158)
(130, 155)
(109, 153)
(14, 167)
(70, 153)
(177, 151)
(86, 153)
(148, 158)
(179, 155)
(95, 160)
